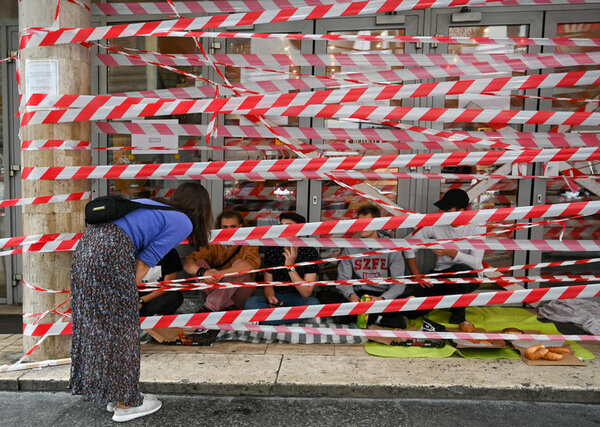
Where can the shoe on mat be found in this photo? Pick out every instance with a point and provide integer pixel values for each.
(110, 407)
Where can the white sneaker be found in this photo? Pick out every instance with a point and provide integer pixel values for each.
(147, 408)
(110, 407)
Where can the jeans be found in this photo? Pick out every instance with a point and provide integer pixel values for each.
(165, 304)
(288, 300)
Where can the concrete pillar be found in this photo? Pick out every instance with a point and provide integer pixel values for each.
(52, 270)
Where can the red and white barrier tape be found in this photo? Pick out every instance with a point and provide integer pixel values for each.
(70, 108)
(34, 365)
(44, 37)
(376, 137)
(420, 65)
(507, 41)
(59, 198)
(379, 333)
(433, 278)
(200, 320)
(304, 168)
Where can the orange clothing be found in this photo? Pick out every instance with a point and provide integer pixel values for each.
(214, 255)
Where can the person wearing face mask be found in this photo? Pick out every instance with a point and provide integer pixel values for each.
(449, 260)
(286, 296)
(223, 259)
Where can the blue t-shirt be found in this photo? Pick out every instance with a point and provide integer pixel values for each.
(154, 232)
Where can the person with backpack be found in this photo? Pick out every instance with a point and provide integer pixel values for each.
(124, 240)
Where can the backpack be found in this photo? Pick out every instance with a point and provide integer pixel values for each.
(108, 208)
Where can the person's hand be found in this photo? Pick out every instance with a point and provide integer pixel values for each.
(425, 285)
(273, 300)
(290, 255)
(446, 252)
(354, 298)
(376, 298)
(212, 272)
(140, 305)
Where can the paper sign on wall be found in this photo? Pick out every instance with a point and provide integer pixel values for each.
(41, 76)
(144, 142)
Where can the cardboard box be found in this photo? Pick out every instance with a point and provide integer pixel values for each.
(459, 343)
(567, 360)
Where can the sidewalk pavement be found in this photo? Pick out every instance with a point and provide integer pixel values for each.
(332, 370)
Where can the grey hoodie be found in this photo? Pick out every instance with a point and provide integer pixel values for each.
(384, 265)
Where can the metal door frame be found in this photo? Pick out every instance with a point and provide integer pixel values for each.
(217, 186)
(575, 15)
(413, 23)
(441, 20)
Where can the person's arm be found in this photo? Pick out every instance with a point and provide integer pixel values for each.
(305, 291)
(345, 273)
(155, 294)
(396, 268)
(270, 291)
(413, 266)
(141, 269)
(190, 266)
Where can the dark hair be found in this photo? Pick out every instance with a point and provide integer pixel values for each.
(193, 199)
(229, 214)
(292, 216)
(369, 210)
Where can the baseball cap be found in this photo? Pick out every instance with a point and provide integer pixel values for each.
(454, 198)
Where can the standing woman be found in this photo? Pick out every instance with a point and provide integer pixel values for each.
(110, 261)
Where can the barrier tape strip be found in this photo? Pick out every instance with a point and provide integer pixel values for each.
(507, 41)
(200, 320)
(421, 65)
(392, 281)
(362, 94)
(182, 284)
(46, 37)
(218, 6)
(34, 365)
(304, 168)
(375, 136)
(379, 333)
(136, 108)
(59, 198)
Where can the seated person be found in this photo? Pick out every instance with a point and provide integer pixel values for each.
(162, 302)
(449, 260)
(374, 266)
(286, 296)
(222, 259)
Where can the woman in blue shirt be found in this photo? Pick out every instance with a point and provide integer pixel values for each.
(110, 261)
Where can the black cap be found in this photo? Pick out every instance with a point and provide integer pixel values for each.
(454, 198)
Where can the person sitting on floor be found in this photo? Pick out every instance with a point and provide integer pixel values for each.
(286, 296)
(372, 267)
(161, 302)
(449, 260)
(221, 259)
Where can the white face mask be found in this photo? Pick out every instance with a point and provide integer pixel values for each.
(153, 274)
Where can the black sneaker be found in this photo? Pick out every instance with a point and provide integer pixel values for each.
(392, 320)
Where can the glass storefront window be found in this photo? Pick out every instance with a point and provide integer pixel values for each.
(259, 201)
(504, 192)
(561, 191)
(140, 78)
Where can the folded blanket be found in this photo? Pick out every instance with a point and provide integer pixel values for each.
(491, 318)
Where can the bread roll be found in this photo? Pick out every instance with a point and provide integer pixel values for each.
(550, 355)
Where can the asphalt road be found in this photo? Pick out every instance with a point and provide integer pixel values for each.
(62, 409)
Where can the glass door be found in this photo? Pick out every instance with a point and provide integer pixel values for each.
(571, 24)
(328, 200)
(261, 201)
(488, 194)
